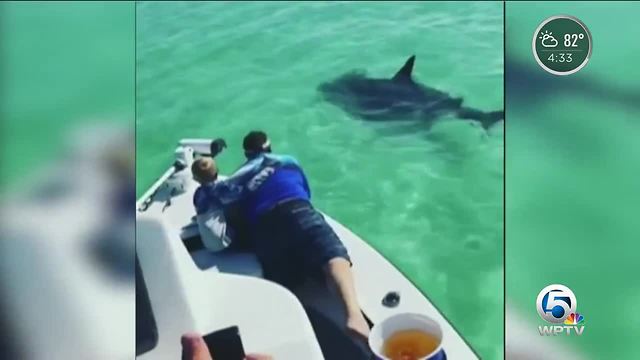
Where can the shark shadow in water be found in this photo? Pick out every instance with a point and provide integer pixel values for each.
(399, 98)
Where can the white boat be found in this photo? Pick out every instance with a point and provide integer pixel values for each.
(192, 289)
(61, 304)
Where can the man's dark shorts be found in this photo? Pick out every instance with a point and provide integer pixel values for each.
(294, 242)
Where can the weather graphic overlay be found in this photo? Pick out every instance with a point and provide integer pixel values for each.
(562, 45)
(556, 304)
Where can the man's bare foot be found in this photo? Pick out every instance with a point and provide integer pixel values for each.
(358, 326)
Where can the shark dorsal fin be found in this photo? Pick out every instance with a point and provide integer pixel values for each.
(404, 73)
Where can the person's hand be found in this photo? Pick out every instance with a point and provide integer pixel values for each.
(217, 145)
(194, 348)
(258, 357)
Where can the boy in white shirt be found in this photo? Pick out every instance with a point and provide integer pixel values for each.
(215, 233)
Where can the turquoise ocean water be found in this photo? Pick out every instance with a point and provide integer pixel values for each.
(430, 201)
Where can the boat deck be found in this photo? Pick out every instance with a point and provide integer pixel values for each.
(322, 307)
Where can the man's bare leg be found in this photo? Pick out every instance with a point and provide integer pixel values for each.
(338, 270)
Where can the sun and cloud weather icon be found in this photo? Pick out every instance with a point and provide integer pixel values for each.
(548, 40)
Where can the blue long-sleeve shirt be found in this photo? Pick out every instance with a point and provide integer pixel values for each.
(260, 184)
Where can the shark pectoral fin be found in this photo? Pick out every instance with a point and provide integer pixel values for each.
(404, 74)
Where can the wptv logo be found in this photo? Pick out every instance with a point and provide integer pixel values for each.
(557, 305)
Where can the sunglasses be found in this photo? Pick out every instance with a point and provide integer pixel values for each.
(250, 154)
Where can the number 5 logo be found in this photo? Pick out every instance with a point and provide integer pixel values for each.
(555, 303)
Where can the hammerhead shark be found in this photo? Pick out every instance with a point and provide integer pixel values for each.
(399, 98)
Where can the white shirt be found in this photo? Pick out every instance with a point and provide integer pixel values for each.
(213, 229)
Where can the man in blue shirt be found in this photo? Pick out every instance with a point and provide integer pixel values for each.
(292, 239)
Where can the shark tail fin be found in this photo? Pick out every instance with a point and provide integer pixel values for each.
(405, 71)
(487, 119)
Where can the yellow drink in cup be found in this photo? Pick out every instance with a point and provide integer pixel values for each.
(406, 336)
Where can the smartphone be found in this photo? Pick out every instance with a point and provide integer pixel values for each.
(225, 344)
